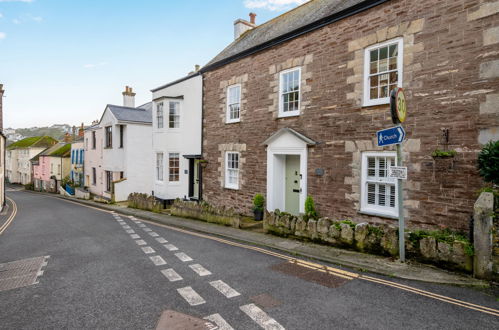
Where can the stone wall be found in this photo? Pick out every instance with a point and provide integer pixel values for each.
(451, 78)
(205, 212)
(144, 202)
(446, 250)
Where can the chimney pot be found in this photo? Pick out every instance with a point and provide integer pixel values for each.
(197, 67)
(128, 97)
(252, 18)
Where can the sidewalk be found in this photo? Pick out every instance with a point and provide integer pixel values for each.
(351, 259)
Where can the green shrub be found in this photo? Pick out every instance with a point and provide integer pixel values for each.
(444, 153)
(488, 162)
(258, 202)
(29, 186)
(310, 212)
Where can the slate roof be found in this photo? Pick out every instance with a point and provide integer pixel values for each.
(142, 114)
(311, 15)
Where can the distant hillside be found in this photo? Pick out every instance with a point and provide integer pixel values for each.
(55, 131)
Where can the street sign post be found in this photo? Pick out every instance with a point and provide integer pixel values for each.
(397, 172)
(394, 135)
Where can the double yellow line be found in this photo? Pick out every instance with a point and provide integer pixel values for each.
(11, 217)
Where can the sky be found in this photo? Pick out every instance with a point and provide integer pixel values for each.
(62, 61)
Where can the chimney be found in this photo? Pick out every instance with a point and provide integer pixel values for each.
(1, 106)
(67, 137)
(197, 67)
(81, 131)
(241, 25)
(128, 97)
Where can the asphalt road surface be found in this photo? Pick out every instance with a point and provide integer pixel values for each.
(98, 270)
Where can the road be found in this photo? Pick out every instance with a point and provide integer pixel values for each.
(100, 270)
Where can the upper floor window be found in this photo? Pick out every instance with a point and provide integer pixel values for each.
(174, 118)
(233, 103)
(378, 192)
(109, 136)
(159, 166)
(382, 71)
(232, 170)
(81, 156)
(174, 167)
(122, 136)
(289, 92)
(159, 115)
(94, 140)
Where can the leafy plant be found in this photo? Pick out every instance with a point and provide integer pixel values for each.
(258, 202)
(310, 212)
(65, 181)
(488, 162)
(444, 153)
(349, 222)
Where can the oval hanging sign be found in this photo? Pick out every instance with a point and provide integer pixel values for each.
(398, 106)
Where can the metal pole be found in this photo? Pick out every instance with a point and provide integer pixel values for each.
(400, 191)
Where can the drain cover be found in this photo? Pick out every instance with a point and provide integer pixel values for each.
(171, 320)
(265, 300)
(21, 273)
(310, 275)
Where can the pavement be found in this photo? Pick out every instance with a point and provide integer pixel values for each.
(101, 269)
(351, 259)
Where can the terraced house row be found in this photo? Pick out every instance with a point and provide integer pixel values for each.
(291, 107)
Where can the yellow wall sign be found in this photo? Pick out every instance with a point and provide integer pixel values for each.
(398, 106)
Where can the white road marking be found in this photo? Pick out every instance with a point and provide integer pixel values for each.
(135, 236)
(170, 247)
(260, 317)
(219, 321)
(183, 257)
(142, 225)
(127, 227)
(158, 261)
(153, 234)
(171, 275)
(140, 242)
(191, 296)
(161, 240)
(225, 289)
(200, 270)
(148, 250)
(130, 231)
(147, 229)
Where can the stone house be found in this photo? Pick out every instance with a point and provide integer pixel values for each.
(176, 138)
(291, 109)
(19, 154)
(120, 157)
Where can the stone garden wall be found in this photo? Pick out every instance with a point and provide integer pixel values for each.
(144, 202)
(445, 249)
(205, 212)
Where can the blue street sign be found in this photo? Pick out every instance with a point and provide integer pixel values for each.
(389, 136)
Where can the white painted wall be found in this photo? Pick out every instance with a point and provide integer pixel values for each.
(185, 140)
(93, 158)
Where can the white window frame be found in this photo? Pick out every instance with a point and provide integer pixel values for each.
(227, 169)
(160, 172)
(367, 62)
(161, 106)
(179, 115)
(282, 113)
(169, 168)
(228, 119)
(386, 211)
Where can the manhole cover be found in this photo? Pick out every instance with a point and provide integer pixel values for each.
(171, 320)
(265, 301)
(311, 275)
(21, 273)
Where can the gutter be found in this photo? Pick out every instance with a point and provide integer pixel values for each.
(363, 6)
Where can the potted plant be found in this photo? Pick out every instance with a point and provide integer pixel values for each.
(258, 204)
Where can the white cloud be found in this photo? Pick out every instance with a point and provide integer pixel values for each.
(94, 65)
(1, 15)
(3, 35)
(273, 5)
(17, 0)
(16, 21)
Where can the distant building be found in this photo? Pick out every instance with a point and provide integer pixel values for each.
(19, 155)
(3, 141)
(51, 166)
(77, 162)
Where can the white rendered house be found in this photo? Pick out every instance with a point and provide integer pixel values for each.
(125, 134)
(176, 138)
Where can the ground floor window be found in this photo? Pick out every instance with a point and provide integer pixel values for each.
(379, 193)
(174, 167)
(109, 180)
(94, 176)
(159, 166)
(232, 170)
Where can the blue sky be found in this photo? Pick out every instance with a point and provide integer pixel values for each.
(62, 61)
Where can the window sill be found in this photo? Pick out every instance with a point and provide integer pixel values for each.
(378, 214)
(232, 188)
(372, 103)
(289, 114)
(233, 121)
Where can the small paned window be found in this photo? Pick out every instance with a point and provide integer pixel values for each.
(122, 135)
(109, 181)
(159, 166)
(383, 71)
(232, 170)
(174, 167)
(159, 115)
(94, 176)
(94, 140)
(174, 118)
(289, 99)
(109, 136)
(233, 103)
(379, 193)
